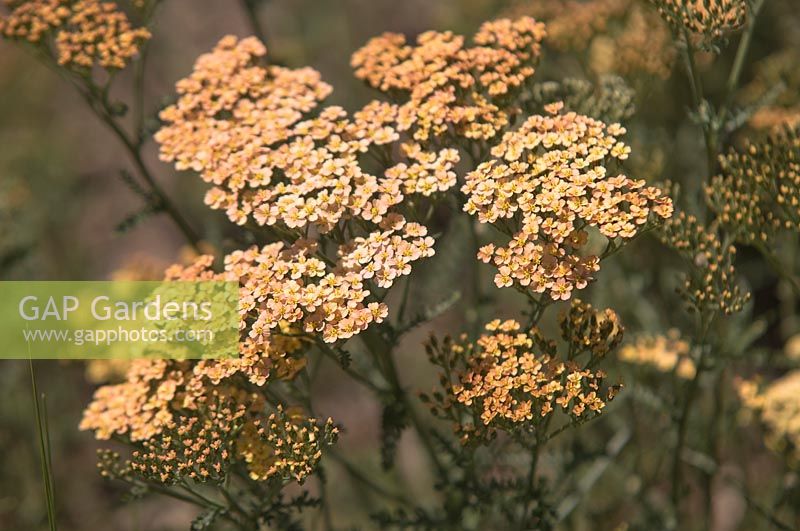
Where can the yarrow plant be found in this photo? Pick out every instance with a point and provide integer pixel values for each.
(342, 226)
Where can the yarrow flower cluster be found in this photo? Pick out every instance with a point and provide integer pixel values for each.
(622, 36)
(665, 352)
(777, 71)
(758, 192)
(444, 86)
(88, 33)
(511, 379)
(777, 406)
(194, 420)
(240, 124)
(586, 330)
(711, 285)
(547, 183)
(287, 444)
(198, 446)
(31, 20)
(292, 285)
(710, 20)
(610, 99)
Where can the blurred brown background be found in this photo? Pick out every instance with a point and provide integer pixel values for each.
(61, 197)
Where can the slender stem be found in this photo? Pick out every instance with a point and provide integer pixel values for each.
(138, 93)
(416, 421)
(382, 351)
(44, 452)
(741, 54)
(357, 376)
(477, 286)
(780, 268)
(696, 82)
(531, 481)
(163, 199)
(235, 504)
(249, 7)
(694, 74)
(683, 420)
(715, 443)
(404, 303)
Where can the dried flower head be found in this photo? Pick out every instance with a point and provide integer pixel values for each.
(588, 330)
(444, 86)
(622, 36)
(547, 183)
(709, 20)
(664, 352)
(710, 285)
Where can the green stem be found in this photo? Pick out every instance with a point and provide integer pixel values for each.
(715, 442)
(135, 154)
(382, 351)
(531, 481)
(780, 268)
(478, 294)
(696, 82)
(249, 7)
(138, 93)
(44, 450)
(683, 420)
(741, 54)
(357, 376)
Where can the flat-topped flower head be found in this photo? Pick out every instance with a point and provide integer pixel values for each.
(667, 353)
(444, 86)
(776, 404)
(31, 20)
(512, 379)
(547, 183)
(247, 129)
(98, 34)
(288, 444)
(87, 33)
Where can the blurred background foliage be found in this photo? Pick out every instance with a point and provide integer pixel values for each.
(61, 197)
